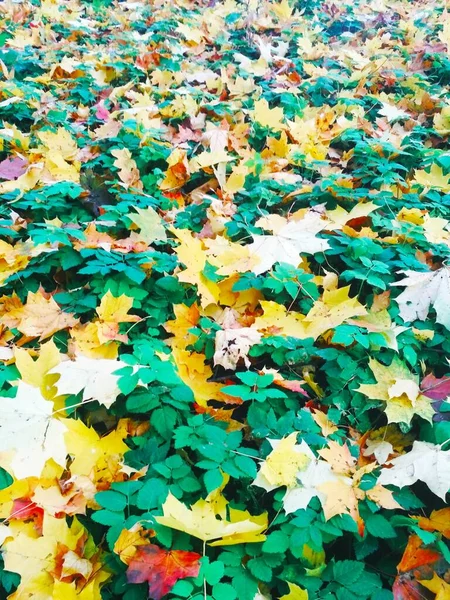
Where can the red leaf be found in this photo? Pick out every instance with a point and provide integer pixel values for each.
(24, 509)
(434, 388)
(414, 556)
(161, 568)
(12, 168)
(405, 588)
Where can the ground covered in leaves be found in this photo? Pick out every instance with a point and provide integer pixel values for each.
(225, 309)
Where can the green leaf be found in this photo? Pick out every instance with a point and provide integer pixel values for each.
(379, 526)
(152, 494)
(224, 591)
(347, 572)
(277, 541)
(110, 500)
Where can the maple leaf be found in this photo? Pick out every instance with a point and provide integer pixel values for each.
(332, 310)
(128, 171)
(114, 309)
(161, 568)
(276, 320)
(439, 520)
(59, 142)
(415, 561)
(435, 178)
(229, 257)
(339, 217)
(178, 170)
(399, 388)
(268, 117)
(289, 240)
(12, 168)
(53, 565)
(94, 376)
(97, 338)
(283, 463)
(425, 462)
(207, 520)
(194, 372)
(35, 372)
(30, 432)
(129, 541)
(39, 317)
(424, 290)
(295, 593)
(232, 345)
(190, 253)
(92, 455)
(438, 586)
(150, 224)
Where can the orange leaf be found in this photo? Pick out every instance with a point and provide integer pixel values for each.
(414, 556)
(161, 568)
(439, 521)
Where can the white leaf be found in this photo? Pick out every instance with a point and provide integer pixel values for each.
(317, 473)
(392, 113)
(95, 376)
(291, 239)
(426, 462)
(380, 449)
(29, 430)
(423, 290)
(234, 344)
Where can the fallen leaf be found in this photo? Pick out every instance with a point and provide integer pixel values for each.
(424, 290)
(295, 593)
(30, 432)
(207, 520)
(161, 568)
(399, 389)
(39, 317)
(289, 241)
(425, 462)
(94, 376)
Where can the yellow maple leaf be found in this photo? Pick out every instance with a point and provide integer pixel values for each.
(86, 339)
(35, 372)
(114, 309)
(341, 498)
(332, 310)
(60, 142)
(129, 540)
(39, 317)
(283, 9)
(98, 338)
(339, 457)
(295, 593)
(399, 388)
(268, 117)
(150, 224)
(207, 520)
(276, 320)
(229, 257)
(128, 171)
(194, 372)
(339, 216)
(435, 178)
(190, 252)
(284, 462)
(178, 170)
(44, 561)
(438, 586)
(89, 451)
